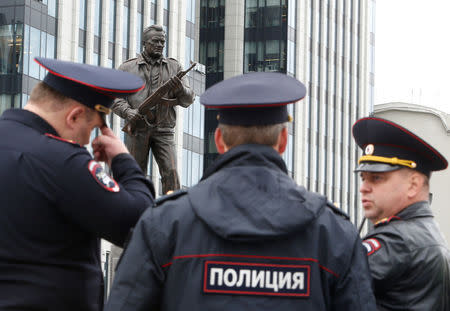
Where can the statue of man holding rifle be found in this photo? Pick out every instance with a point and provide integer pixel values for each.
(150, 113)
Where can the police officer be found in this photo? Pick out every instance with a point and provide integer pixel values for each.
(408, 257)
(246, 237)
(56, 201)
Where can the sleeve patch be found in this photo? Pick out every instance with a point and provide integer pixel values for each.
(372, 245)
(102, 178)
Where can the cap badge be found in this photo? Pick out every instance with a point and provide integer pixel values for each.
(369, 149)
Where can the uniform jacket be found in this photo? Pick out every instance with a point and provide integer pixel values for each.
(410, 262)
(52, 213)
(245, 238)
(165, 116)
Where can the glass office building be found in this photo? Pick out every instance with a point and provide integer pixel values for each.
(27, 29)
(326, 44)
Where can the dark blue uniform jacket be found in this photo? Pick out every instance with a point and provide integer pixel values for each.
(52, 213)
(245, 238)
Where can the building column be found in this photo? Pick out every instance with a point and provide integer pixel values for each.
(67, 38)
(234, 38)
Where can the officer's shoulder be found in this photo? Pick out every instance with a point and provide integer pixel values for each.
(61, 141)
(337, 210)
(170, 197)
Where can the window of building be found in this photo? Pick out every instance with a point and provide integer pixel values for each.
(82, 32)
(189, 51)
(112, 20)
(265, 36)
(139, 24)
(190, 11)
(152, 12)
(112, 33)
(125, 29)
(11, 36)
(212, 13)
(98, 18)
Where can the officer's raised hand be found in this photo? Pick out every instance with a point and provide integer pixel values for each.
(107, 146)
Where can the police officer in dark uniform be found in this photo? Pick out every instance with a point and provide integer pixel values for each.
(408, 256)
(246, 237)
(56, 201)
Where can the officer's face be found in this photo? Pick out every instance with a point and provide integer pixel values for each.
(154, 43)
(383, 194)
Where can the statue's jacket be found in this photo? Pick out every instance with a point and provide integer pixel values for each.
(164, 116)
(245, 238)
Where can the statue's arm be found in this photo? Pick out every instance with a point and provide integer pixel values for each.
(121, 106)
(186, 96)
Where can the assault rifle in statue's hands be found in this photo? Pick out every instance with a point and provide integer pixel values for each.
(152, 101)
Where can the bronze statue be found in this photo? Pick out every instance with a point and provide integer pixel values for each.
(150, 120)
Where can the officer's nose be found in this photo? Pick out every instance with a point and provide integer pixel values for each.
(365, 187)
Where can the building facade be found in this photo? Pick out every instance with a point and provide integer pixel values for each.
(434, 127)
(326, 44)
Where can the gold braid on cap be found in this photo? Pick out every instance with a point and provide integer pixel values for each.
(393, 161)
(102, 108)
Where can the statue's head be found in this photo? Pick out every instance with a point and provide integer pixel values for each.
(153, 40)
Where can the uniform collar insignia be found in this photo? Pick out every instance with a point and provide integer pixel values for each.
(386, 220)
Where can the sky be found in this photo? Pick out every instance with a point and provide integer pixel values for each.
(412, 52)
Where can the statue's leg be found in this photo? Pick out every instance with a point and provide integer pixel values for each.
(139, 146)
(163, 148)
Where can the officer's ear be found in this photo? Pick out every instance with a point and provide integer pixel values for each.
(74, 115)
(220, 144)
(282, 141)
(417, 186)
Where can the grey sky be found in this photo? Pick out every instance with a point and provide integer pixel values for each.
(412, 52)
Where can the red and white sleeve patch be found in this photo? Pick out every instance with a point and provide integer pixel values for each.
(372, 245)
(102, 178)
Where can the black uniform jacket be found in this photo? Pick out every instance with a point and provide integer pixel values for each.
(245, 238)
(52, 212)
(410, 261)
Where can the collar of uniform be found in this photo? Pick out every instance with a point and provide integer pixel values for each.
(151, 61)
(29, 119)
(418, 209)
(251, 154)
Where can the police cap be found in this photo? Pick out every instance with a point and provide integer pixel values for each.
(93, 86)
(388, 146)
(258, 98)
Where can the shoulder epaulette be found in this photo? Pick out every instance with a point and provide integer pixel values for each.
(337, 210)
(168, 197)
(386, 220)
(61, 139)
